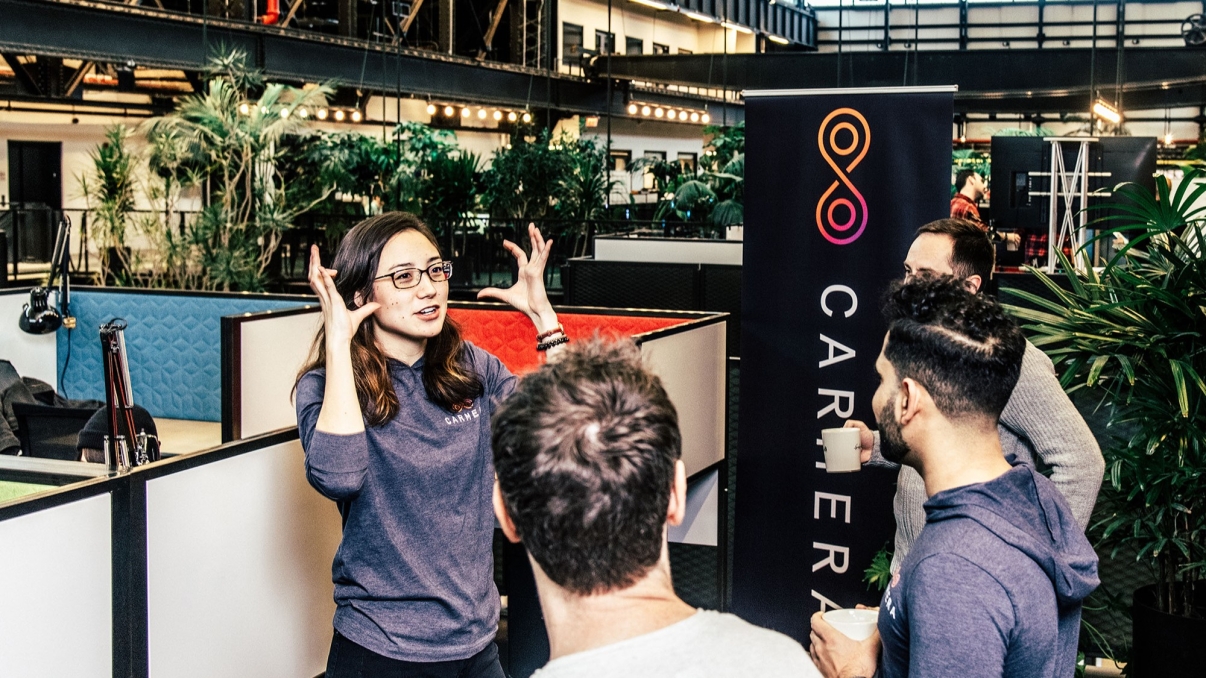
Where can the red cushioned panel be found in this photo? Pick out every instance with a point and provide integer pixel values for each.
(511, 336)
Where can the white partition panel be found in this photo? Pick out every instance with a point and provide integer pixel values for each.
(273, 349)
(239, 558)
(691, 364)
(34, 355)
(669, 250)
(700, 526)
(56, 595)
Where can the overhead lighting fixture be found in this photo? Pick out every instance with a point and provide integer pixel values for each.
(659, 113)
(653, 3)
(697, 16)
(1107, 112)
(497, 116)
(736, 27)
(339, 115)
(284, 113)
(244, 109)
(322, 114)
(448, 111)
(705, 118)
(303, 113)
(778, 40)
(511, 117)
(1168, 139)
(465, 112)
(356, 116)
(481, 114)
(527, 117)
(431, 109)
(632, 109)
(645, 111)
(694, 117)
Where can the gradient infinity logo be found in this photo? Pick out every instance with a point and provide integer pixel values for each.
(843, 133)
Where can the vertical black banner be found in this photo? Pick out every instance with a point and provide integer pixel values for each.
(836, 183)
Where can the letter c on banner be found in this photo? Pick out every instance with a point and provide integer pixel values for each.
(847, 204)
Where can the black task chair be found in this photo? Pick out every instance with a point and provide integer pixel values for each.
(50, 432)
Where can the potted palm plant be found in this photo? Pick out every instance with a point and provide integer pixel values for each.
(1133, 334)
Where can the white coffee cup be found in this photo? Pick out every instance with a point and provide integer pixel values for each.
(854, 624)
(842, 449)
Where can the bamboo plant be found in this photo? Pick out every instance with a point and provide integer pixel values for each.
(1134, 335)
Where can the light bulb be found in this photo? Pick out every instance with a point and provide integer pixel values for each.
(705, 118)
(645, 111)
(512, 117)
(339, 115)
(356, 116)
(244, 109)
(1168, 139)
(431, 109)
(497, 116)
(303, 113)
(322, 114)
(694, 117)
(284, 113)
(481, 114)
(632, 109)
(527, 117)
(465, 112)
(264, 110)
(659, 113)
(448, 111)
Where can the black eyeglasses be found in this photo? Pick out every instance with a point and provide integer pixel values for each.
(406, 278)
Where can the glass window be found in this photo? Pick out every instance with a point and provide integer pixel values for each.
(684, 51)
(571, 43)
(634, 46)
(605, 43)
(687, 162)
(659, 48)
(620, 160)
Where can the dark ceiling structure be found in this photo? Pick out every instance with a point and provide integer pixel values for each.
(1051, 80)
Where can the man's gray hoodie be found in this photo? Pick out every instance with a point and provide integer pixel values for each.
(993, 585)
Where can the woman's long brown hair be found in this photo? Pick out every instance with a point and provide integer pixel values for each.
(447, 380)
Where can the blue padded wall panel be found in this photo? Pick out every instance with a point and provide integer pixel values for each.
(173, 344)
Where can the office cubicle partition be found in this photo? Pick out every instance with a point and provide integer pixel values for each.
(214, 563)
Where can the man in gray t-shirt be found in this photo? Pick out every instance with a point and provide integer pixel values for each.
(586, 453)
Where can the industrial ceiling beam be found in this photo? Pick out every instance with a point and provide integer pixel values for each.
(997, 80)
(120, 33)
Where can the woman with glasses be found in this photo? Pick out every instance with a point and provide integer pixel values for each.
(394, 413)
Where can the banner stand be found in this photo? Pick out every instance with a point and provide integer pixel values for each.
(837, 182)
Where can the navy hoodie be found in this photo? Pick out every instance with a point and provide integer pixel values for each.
(992, 587)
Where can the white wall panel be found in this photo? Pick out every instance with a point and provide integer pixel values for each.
(33, 355)
(682, 251)
(273, 350)
(691, 365)
(56, 600)
(239, 557)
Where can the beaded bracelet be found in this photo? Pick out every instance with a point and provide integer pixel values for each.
(556, 330)
(552, 342)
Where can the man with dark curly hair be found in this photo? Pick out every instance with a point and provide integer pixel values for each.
(994, 583)
(586, 452)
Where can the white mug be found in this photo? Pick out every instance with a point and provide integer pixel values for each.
(843, 448)
(854, 624)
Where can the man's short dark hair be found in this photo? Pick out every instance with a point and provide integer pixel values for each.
(585, 453)
(960, 346)
(961, 178)
(972, 252)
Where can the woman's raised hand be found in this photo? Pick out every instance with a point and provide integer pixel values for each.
(339, 321)
(528, 294)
